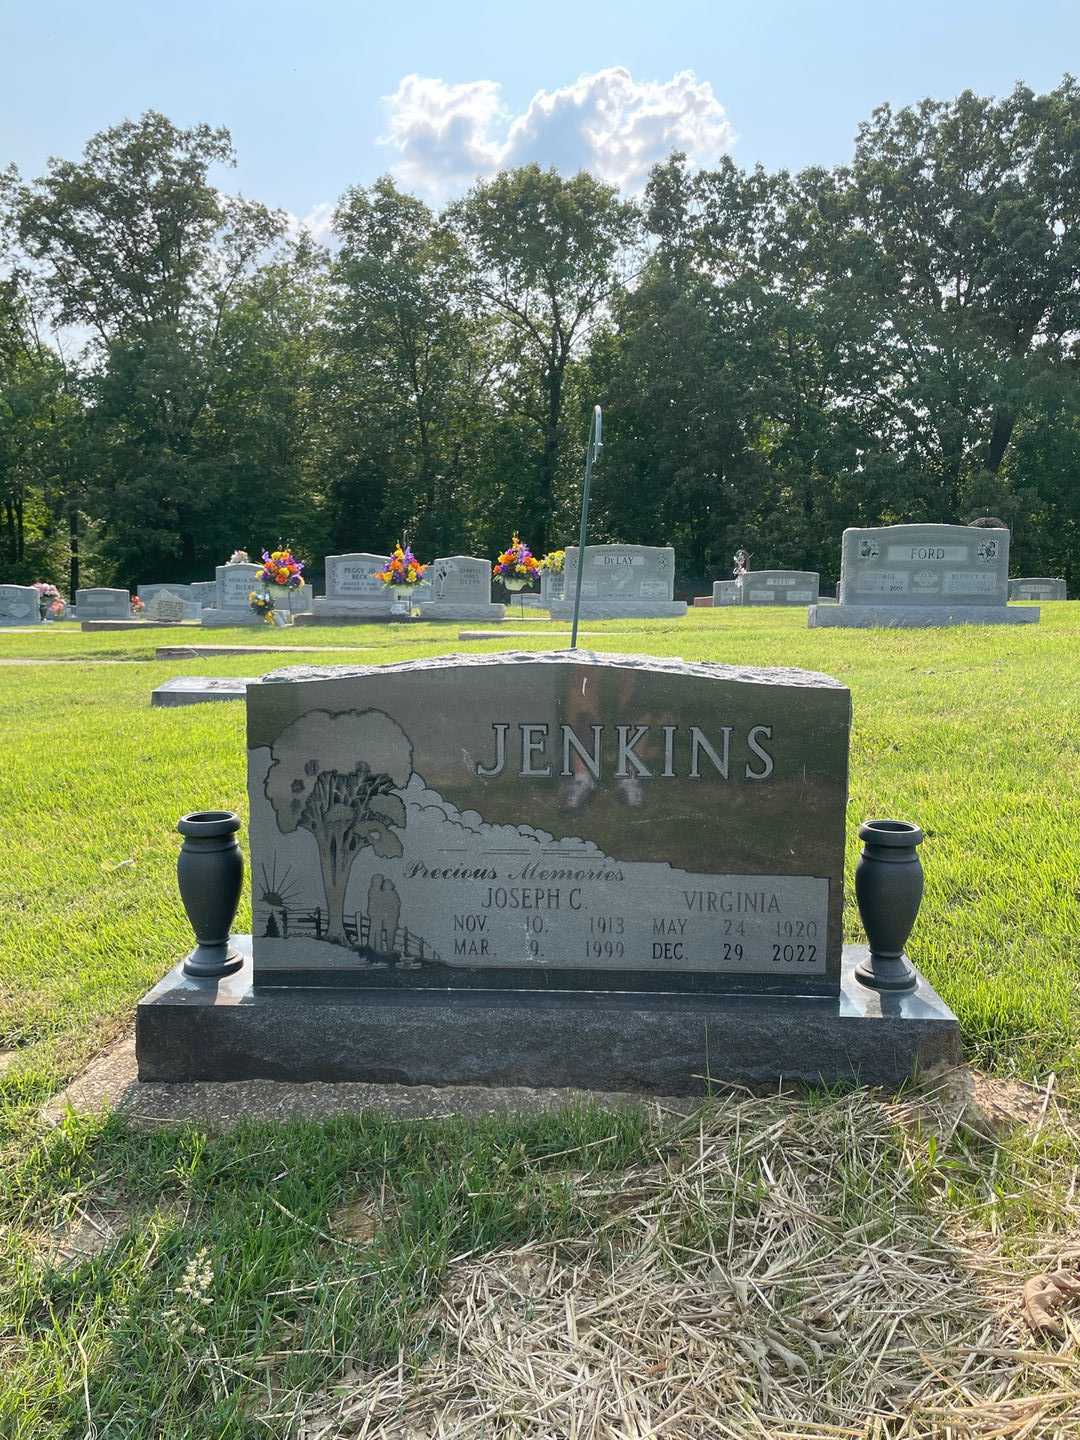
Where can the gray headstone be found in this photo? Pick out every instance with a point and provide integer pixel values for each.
(205, 591)
(147, 593)
(102, 603)
(923, 575)
(353, 591)
(164, 603)
(620, 581)
(724, 592)
(608, 822)
(1037, 588)
(776, 587)
(552, 587)
(19, 605)
(233, 587)
(460, 589)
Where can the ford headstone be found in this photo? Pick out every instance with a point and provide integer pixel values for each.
(923, 575)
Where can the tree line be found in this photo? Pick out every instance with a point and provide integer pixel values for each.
(184, 372)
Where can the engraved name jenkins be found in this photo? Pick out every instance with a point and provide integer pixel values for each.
(661, 752)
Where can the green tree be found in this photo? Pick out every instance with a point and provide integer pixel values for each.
(546, 256)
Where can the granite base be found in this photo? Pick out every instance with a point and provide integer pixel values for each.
(221, 619)
(99, 625)
(200, 689)
(916, 617)
(613, 610)
(352, 617)
(490, 613)
(189, 1029)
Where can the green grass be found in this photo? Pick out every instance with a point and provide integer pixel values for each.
(973, 733)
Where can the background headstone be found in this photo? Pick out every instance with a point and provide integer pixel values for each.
(923, 575)
(102, 603)
(620, 581)
(233, 586)
(351, 588)
(776, 587)
(165, 603)
(724, 592)
(1037, 588)
(19, 605)
(460, 589)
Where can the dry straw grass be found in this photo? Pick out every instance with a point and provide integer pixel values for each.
(790, 1268)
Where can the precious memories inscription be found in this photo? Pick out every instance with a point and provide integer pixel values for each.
(548, 821)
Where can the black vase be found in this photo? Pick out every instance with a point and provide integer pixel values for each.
(889, 889)
(210, 873)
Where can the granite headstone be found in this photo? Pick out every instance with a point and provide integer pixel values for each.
(620, 582)
(545, 869)
(460, 590)
(1043, 587)
(923, 575)
(776, 587)
(101, 603)
(19, 605)
(352, 591)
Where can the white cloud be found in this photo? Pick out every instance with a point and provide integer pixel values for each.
(317, 222)
(607, 123)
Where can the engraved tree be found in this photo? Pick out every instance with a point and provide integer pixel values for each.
(336, 776)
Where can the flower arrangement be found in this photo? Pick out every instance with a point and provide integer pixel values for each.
(554, 562)
(263, 605)
(281, 567)
(517, 565)
(56, 609)
(137, 605)
(239, 557)
(49, 598)
(402, 568)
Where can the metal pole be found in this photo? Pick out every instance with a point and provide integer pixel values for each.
(596, 444)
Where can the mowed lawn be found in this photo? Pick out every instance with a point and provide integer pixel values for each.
(973, 733)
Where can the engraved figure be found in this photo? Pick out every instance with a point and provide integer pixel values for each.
(384, 913)
(336, 776)
(869, 549)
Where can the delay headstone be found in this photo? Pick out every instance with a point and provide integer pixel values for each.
(923, 575)
(19, 605)
(620, 582)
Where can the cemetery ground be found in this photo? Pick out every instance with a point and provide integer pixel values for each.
(801, 1265)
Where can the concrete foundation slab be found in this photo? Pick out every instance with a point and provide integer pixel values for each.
(916, 617)
(188, 1029)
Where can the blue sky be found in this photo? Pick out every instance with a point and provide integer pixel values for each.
(331, 93)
